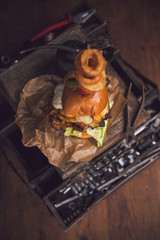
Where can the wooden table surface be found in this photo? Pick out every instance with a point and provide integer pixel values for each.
(132, 212)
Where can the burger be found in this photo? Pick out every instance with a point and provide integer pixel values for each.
(80, 105)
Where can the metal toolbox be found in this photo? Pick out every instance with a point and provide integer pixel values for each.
(70, 191)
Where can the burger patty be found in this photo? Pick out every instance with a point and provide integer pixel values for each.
(58, 123)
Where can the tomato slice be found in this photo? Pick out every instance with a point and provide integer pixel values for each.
(82, 92)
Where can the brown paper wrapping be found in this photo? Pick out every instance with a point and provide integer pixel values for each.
(33, 120)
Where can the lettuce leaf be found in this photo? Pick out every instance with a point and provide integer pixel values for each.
(97, 133)
(70, 131)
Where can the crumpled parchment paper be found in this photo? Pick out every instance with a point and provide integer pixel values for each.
(33, 120)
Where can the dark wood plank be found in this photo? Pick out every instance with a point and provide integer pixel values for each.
(133, 210)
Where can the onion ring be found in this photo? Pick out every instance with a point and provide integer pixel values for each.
(95, 87)
(90, 70)
(92, 62)
(86, 80)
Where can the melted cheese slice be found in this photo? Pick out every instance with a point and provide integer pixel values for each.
(67, 119)
(97, 118)
(88, 120)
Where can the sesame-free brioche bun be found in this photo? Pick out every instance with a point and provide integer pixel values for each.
(75, 104)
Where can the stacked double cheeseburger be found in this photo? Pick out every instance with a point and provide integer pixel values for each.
(80, 106)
